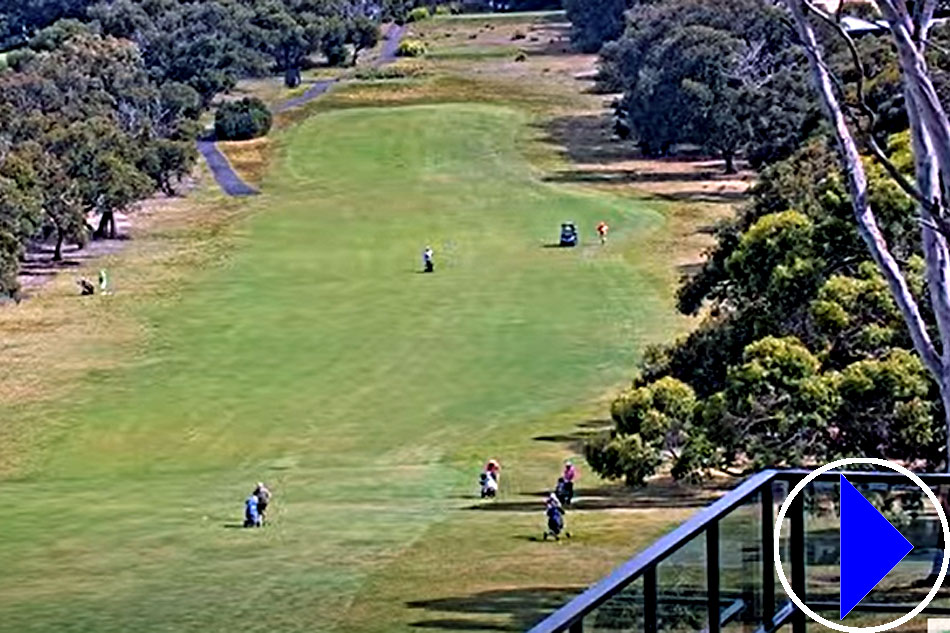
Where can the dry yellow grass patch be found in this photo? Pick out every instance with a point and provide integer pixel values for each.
(55, 337)
(249, 159)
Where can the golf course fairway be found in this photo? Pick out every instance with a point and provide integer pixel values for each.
(313, 355)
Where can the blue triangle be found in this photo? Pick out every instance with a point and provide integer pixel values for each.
(870, 547)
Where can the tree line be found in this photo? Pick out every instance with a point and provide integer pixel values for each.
(821, 331)
(100, 101)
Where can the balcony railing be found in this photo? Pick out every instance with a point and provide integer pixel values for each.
(715, 573)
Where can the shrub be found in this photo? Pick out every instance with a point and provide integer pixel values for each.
(396, 71)
(242, 120)
(419, 14)
(518, 35)
(521, 57)
(411, 48)
(446, 9)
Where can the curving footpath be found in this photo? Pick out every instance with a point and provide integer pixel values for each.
(224, 174)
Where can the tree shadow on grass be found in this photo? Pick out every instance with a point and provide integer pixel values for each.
(659, 494)
(599, 423)
(576, 439)
(508, 609)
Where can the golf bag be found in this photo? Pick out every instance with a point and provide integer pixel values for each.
(252, 517)
(86, 288)
(564, 491)
(555, 523)
(489, 486)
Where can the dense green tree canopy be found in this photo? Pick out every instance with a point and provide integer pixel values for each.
(718, 74)
(87, 131)
(595, 22)
(242, 120)
(801, 356)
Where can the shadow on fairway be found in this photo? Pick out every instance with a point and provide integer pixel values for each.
(575, 439)
(655, 496)
(510, 610)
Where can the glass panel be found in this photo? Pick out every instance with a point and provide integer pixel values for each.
(822, 552)
(622, 613)
(740, 565)
(681, 579)
(681, 589)
(910, 511)
(780, 491)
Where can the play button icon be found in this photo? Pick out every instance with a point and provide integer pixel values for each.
(870, 547)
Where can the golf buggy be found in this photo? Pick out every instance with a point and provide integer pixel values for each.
(568, 234)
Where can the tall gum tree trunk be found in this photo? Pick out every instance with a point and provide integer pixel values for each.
(58, 251)
(729, 157)
(931, 145)
(106, 225)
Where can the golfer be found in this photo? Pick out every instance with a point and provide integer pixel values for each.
(428, 265)
(263, 499)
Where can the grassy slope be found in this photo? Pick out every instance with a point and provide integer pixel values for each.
(315, 357)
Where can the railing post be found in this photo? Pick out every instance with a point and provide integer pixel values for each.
(797, 555)
(768, 561)
(712, 576)
(649, 600)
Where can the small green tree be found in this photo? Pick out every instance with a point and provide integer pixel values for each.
(419, 14)
(595, 22)
(411, 48)
(333, 41)
(364, 34)
(242, 120)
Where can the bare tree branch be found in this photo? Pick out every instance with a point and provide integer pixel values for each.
(923, 20)
(914, 70)
(857, 184)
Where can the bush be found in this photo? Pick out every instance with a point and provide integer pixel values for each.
(395, 71)
(521, 57)
(518, 35)
(242, 120)
(447, 9)
(419, 14)
(411, 48)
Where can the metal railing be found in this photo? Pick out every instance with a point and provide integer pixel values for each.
(720, 609)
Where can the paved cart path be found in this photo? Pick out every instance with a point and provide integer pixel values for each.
(224, 174)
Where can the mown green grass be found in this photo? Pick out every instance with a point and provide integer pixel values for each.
(474, 52)
(514, 17)
(317, 358)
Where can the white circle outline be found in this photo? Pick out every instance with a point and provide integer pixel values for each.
(778, 533)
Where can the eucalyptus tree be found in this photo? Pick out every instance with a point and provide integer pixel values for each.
(851, 119)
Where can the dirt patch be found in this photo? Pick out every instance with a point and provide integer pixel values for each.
(56, 336)
(39, 267)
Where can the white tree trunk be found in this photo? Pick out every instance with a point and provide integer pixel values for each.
(930, 134)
